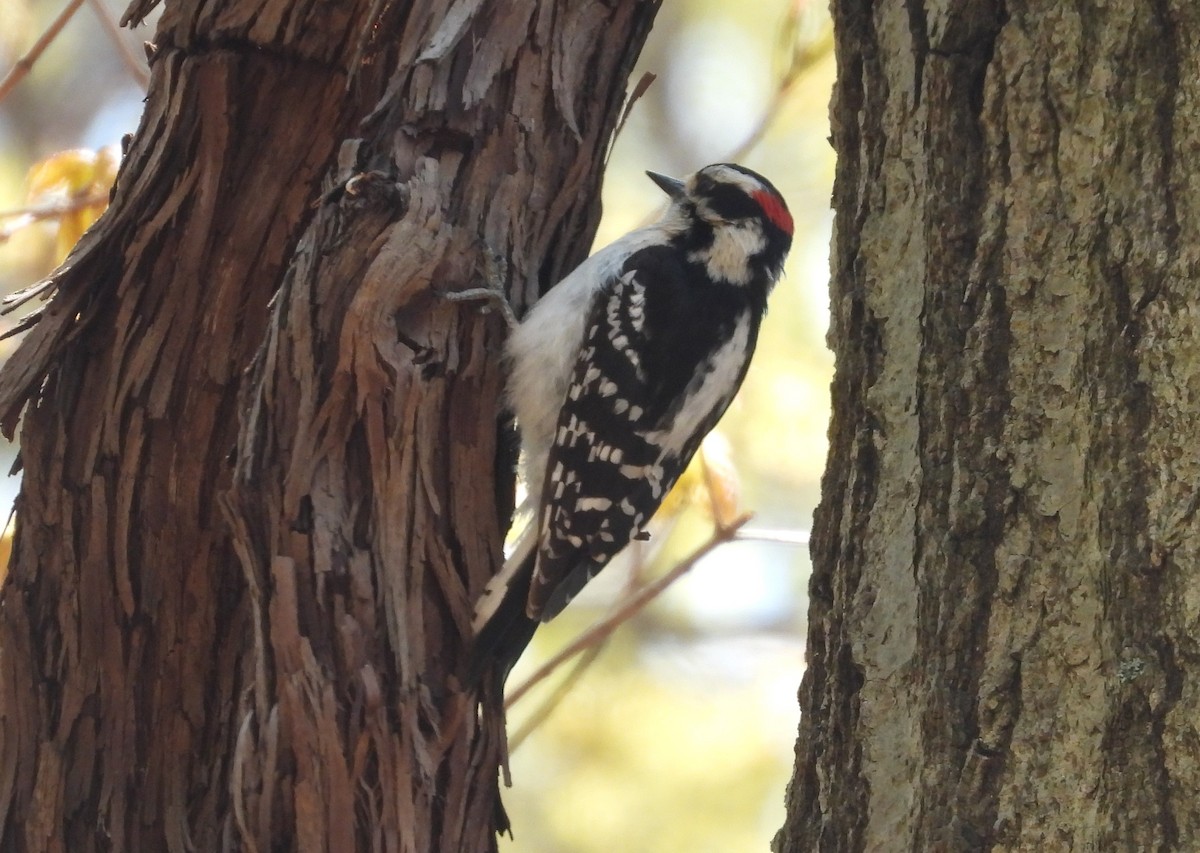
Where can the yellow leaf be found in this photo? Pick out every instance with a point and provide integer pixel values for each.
(682, 495)
(75, 184)
(721, 480)
(710, 483)
(65, 173)
(6, 541)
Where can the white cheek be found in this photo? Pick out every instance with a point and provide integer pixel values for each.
(725, 260)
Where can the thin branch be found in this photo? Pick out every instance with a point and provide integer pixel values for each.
(28, 215)
(25, 63)
(631, 606)
(635, 580)
(592, 650)
(50, 211)
(133, 64)
(783, 537)
(803, 60)
(561, 690)
(643, 84)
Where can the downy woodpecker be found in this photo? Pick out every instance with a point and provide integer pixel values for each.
(616, 375)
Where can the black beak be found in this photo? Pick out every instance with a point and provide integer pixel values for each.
(671, 186)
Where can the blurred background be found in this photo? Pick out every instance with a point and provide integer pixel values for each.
(675, 732)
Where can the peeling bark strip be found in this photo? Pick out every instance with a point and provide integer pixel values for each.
(167, 683)
(1003, 616)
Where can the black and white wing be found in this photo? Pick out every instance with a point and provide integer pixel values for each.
(652, 378)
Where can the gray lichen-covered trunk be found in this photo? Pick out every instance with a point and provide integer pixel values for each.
(1004, 639)
(250, 531)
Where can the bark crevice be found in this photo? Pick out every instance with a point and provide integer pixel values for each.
(248, 537)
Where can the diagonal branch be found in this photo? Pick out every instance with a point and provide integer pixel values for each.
(602, 629)
(23, 65)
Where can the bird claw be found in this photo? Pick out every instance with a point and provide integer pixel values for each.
(490, 298)
(495, 273)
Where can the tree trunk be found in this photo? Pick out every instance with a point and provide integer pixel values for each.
(239, 597)
(1004, 601)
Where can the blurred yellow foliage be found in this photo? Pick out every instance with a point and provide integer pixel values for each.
(638, 765)
(710, 483)
(6, 538)
(71, 187)
(16, 27)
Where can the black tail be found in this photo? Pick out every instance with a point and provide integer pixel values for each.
(501, 639)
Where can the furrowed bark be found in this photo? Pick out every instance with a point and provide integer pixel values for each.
(1002, 623)
(172, 681)
(382, 526)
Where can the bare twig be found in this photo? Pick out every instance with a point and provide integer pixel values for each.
(783, 537)
(585, 660)
(50, 211)
(643, 84)
(636, 574)
(632, 605)
(135, 66)
(28, 215)
(25, 63)
(803, 59)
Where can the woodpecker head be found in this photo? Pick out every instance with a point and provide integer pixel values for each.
(734, 222)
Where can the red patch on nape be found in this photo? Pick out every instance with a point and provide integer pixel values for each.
(773, 206)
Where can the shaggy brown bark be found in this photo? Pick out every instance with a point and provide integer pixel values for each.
(238, 598)
(1003, 624)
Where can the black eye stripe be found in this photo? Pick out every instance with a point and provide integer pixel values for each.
(731, 202)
